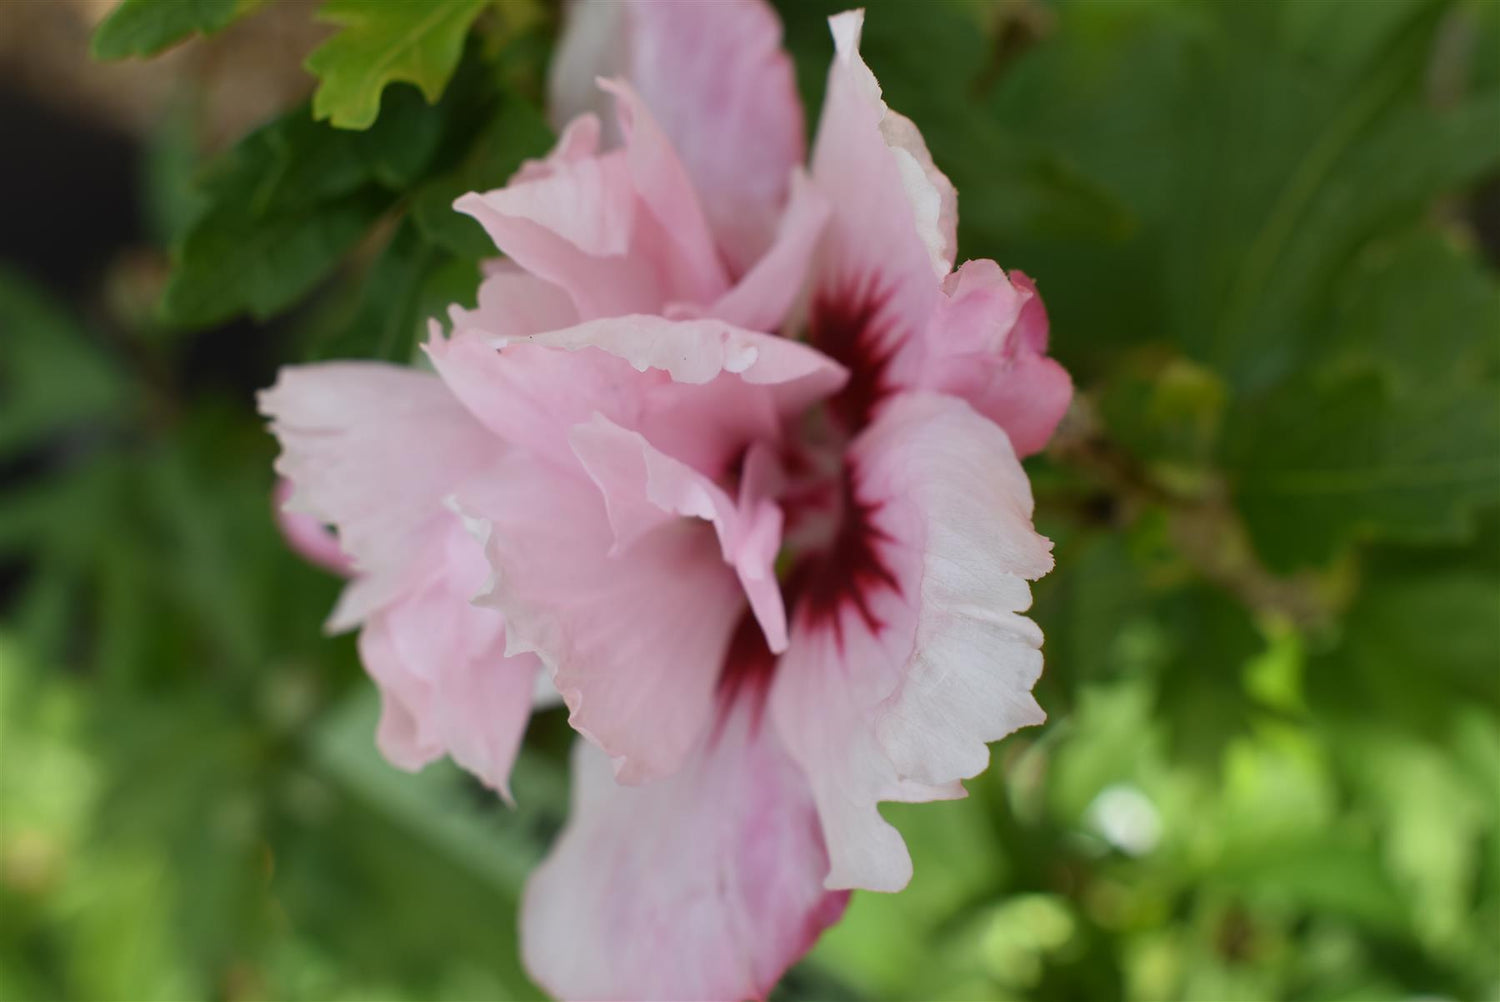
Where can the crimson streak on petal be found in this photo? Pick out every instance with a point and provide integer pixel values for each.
(850, 324)
(747, 670)
(849, 571)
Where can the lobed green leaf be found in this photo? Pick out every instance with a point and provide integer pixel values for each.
(383, 41)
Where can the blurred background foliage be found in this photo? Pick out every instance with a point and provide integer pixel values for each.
(1268, 235)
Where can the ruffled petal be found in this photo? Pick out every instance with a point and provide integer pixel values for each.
(446, 685)
(908, 650)
(714, 75)
(706, 885)
(530, 396)
(986, 345)
(767, 292)
(699, 390)
(372, 449)
(619, 232)
(631, 641)
(572, 223)
(645, 489)
(376, 450)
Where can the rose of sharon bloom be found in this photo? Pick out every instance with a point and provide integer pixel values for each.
(775, 579)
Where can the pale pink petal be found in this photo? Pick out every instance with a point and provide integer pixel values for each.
(309, 538)
(595, 42)
(372, 449)
(715, 77)
(530, 396)
(908, 650)
(985, 345)
(713, 389)
(446, 684)
(765, 294)
(618, 232)
(587, 204)
(706, 885)
(667, 191)
(699, 390)
(979, 312)
(632, 641)
(513, 303)
(573, 225)
(403, 735)
(889, 238)
(376, 450)
(368, 593)
(934, 200)
(873, 164)
(581, 138)
(645, 489)
(697, 351)
(1032, 326)
(1026, 395)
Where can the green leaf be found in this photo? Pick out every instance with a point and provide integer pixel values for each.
(1398, 434)
(451, 824)
(284, 207)
(146, 27)
(412, 281)
(1320, 466)
(1422, 309)
(280, 210)
(291, 199)
(170, 198)
(294, 163)
(1408, 158)
(1418, 648)
(382, 42)
(1258, 147)
(1435, 822)
(499, 848)
(1210, 639)
(1328, 876)
(234, 261)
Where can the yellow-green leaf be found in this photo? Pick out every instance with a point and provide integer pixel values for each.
(383, 41)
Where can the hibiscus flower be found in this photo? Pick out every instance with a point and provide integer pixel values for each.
(726, 456)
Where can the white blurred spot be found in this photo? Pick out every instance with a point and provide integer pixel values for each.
(1126, 819)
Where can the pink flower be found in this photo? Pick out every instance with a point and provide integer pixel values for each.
(775, 581)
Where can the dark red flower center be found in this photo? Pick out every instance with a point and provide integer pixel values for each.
(838, 564)
(851, 322)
